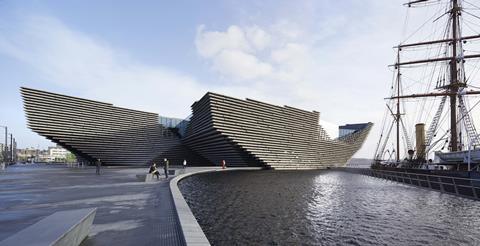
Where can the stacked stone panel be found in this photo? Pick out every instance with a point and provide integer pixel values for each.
(96, 130)
(221, 128)
(249, 132)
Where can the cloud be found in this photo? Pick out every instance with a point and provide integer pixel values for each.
(233, 52)
(331, 59)
(274, 71)
(240, 65)
(258, 38)
(92, 68)
(75, 61)
(70, 60)
(326, 57)
(249, 54)
(210, 44)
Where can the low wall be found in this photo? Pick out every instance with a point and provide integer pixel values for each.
(191, 230)
(464, 187)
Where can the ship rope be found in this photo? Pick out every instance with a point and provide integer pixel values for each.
(423, 25)
(382, 143)
(433, 126)
(430, 76)
(458, 121)
(437, 69)
(408, 143)
(445, 132)
(434, 76)
(471, 4)
(385, 115)
(468, 123)
(379, 154)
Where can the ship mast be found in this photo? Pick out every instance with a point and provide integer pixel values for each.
(398, 107)
(453, 87)
(454, 83)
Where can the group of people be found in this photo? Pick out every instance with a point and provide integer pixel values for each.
(153, 168)
(154, 171)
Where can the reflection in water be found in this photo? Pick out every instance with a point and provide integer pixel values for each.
(326, 208)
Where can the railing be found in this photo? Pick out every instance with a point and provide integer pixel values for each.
(465, 187)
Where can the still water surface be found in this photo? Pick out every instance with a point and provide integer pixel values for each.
(326, 208)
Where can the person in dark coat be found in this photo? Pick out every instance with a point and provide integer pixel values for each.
(154, 171)
(165, 167)
(98, 164)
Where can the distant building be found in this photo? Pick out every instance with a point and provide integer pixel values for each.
(57, 153)
(52, 154)
(350, 128)
(28, 154)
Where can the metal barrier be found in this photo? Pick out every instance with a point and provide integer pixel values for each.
(465, 187)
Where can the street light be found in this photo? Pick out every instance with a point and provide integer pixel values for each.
(5, 151)
(11, 148)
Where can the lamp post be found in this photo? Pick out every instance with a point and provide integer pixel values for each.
(11, 148)
(5, 148)
(14, 151)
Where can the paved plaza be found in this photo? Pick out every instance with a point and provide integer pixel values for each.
(129, 212)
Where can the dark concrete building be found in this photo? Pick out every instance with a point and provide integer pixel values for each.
(241, 132)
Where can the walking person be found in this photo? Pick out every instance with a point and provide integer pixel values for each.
(154, 171)
(165, 167)
(184, 164)
(98, 164)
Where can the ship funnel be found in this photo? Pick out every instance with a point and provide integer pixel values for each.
(420, 140)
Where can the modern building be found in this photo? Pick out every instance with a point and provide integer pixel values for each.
(350, 128)
(221, 128)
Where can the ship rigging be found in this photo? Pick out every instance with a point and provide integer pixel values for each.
(446, 82)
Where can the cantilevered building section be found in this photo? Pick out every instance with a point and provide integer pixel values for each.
(249, 132)
(241, 132)
(95, 130)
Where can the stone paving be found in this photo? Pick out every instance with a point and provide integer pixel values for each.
(129, 212)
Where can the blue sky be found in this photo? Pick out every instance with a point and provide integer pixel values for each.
(159, 56)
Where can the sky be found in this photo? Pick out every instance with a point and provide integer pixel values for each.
(161, 56)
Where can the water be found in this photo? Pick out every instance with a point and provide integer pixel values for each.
(326, 208)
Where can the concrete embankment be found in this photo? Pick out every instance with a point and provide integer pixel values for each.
(191, 230)
(459, 186)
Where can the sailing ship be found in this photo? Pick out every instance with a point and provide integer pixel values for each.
(429, 119)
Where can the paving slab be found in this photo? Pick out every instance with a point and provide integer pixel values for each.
(128, 212)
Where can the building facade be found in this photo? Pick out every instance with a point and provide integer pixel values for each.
(253, 133)
(57, 153)
(350, 128)
(221, 128)
(28, 154)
